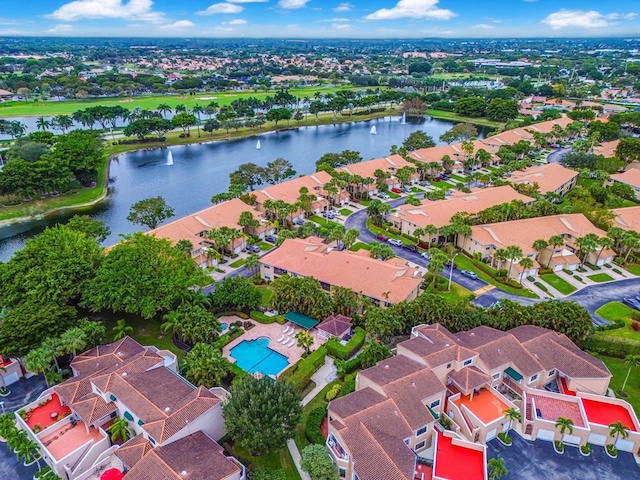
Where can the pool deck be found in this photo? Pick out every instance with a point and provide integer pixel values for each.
(273, 331)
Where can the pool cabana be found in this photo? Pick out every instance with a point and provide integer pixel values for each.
(301, 320)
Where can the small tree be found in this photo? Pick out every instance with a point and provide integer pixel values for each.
(373, 352)
(317, 463)
(204, 365)
(512, 415)
(497, 469)
(252, 263)
(150, 212)
(261, 415)
(564, 424)
(121, 330)
(630, 361)
(305, 340)
(119, 430)
(618, 430)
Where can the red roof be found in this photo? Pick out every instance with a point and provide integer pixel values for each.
(604, 413)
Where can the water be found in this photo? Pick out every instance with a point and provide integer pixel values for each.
(200, 171)
(223, 326)
(256, 356)
(170, 158)
(373, 131)
(258, 146)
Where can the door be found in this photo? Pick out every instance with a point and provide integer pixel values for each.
(571, 439)
(596, 439)
(547, 435)
(624, 445)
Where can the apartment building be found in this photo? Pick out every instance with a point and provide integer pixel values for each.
(630, 177)
(550, 178)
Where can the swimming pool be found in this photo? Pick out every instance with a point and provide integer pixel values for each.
(223, 326)
(256, 356)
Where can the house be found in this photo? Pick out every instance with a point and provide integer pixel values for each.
(367, 169)
(196, 226)
(551, 177)
(627, 218)
(121, 380)
(334, 326)
(436, 403)
(438, 213)
(631, 178)
(10, 371)
(384, 282)
(5, 94)
(487, 239)
(606, 149)
(454, 152)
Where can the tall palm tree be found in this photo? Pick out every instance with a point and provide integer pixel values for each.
(43, 124)
(617, 430)
(526, 263)
(565, 425)
(252, 263)
(197, 111)
(121, 330)
(54, 346)
(163, 108)
(540, 245)
(63, 122)
(497, 469)
(587, 244)
(38, 361)
(512, 415)
(555, 241)
(73, 340)
(512, 253)
(605, 243)
(630, 361)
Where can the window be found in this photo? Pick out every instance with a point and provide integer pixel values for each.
(421, 431)
(267, 277)
(268, 267)
(420, 445)
(435, 404)
(448, 365)
(343, 472)
(496, 376)
(533, 378)
(407, 441)
(468, 362)
(552, 372)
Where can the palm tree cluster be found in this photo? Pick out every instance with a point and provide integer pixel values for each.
(192, 322)
(18, 441)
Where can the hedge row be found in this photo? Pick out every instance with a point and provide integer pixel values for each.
(307, 367)
(228, 337)
(261, 317)
(242, 315)
(350, 366)
(616, 324)
(612, 346)
(344, 352)
(349, 385)
(313, 428)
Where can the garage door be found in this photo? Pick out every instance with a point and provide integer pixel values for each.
(571, 439)
(624, 445)
(11, 378)
(547, 435)
(596, 439)
(557, 268)
(491, 434)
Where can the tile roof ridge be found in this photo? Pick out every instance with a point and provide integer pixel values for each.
(389, 457)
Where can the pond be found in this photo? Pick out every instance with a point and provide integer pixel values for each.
(201, 170)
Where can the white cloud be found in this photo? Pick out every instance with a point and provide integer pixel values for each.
(343, 7)
(335, 20)
(584, 19)
(179, 25)
(412, 9)
(483, 26)
(221, 8)
(237, 21)
(61, 28)
(96, 9)
(292, 4)
(341, 26)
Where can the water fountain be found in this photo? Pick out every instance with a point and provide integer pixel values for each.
(170, 158)
(258, 146)
(404, 118)
(373, 130)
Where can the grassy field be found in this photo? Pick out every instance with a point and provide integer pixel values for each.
(600, 277)
(273, 461)
(238, 263)
(457, 118)
(458, 178)
(616, 311)
(346, 212)
(359, 246)
(442, 185)
(266, 295)
(320, 220)
(465, 263)
(619, 370)
(560, 284)
(457, 293)
(151, 102)
(633, 269)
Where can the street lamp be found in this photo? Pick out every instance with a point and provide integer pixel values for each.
(451, 269)
(2, 405)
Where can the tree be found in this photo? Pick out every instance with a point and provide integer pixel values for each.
(260, 406)
(564, 424)
(526, 263)
(121, 330)
(541, 245)
(513, 253)
(381, 251)
(38, 361)
(377, 210)
(350, 237)
(418, 140)
(512, 415)
(248, 175)
(278, 171)
(470, 107)
(459, 132)
(502, 110)
(91, 227)
(618, 430)
(304, 340)
(437, 259)
(587, 245)
(150, 212)
(373, 352)
(278, 114)
(555, 241)
(630, 361)
(119, 430)
(628, 150)
(497, 469)
(184, 120)
(317, 463)
(143, 275)
(73, 340)
(252, 263)
(63, 122)
(204, 365)
(235, 293)
(300, 294)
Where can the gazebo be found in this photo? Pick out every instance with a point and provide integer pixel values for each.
(334, 326)
(301, 320)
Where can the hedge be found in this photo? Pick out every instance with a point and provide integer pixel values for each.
(307, 367)
(238, 373)
(313, 428)
(344, 352)
(350, 366)
(226, 338)
(349, 385)
(612, 346)
(242, 315)
(616, 324)
(261, 317)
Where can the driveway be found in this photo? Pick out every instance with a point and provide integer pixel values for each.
(557, 155)
(537, 460)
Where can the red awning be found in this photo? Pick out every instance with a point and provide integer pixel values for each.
(112, 474)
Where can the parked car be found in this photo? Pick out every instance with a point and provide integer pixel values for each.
(425, 255)
(411, 248)
(382, 238)
(271, 239)
(450, 264)
(406, 189)
(425, 183)
(384, 195)
(253, 248)
(395, 242)
(470, 274)
(632, 302)
(445, 176)
(396, 190)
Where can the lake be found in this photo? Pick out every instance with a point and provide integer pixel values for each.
(202, 170)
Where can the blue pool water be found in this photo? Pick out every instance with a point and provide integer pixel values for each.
(256, 356)
(223, 326)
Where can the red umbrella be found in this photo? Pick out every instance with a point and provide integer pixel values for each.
(112, 474)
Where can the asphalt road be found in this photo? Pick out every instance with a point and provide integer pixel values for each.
(557, 155)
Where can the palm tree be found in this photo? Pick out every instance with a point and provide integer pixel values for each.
(587, 244)
(63, 122)
(497, 468)
(304, 340)
(121, 330)
(43, 124)
(185, 246)
(565, 425)
(555, 241)
(38, 361)
(204, 365)
(605, 243)
(512, 415)
(54, 347)
(617, 430)
(197, 110)
(252, 262)
(512, 253)
(430, 230)
(526, 263)
(73, 340)
(163, 108)
(630, 361)
(28, 451)
(540, 245)
(119, 430)
(350, 237)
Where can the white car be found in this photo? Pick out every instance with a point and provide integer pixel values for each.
(425, 255)
(395, 242)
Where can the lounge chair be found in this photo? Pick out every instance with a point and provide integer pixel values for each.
(282, 337)
(286, 330)
(291, 343)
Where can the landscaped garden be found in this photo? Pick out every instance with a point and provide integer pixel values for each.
(600, 277)
(560, 284)
(622, 315)
(619, 370)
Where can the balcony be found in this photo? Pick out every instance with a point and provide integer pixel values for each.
(48, 411)
(69, 437)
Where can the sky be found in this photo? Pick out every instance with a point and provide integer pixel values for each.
(321, 18)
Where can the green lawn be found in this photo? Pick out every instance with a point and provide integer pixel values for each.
(277, 460)
(619, 370)
(457, 118)
(266, 295)
(359, 246)
(458, 178)
(393, 195)
(560, 284)
(366, 203)
(464, 263)
(633, 269)
(616, 311)
(264, 246)
(417, 190)
(600, 277)
(346, 212)
(319, 220)
(238, 263)
(442, 185)
(457, 293)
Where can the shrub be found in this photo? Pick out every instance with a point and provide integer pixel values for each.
(531, 279)
(636, 326)
(586, 448)
(350, 366)
(612, 326)
(333, 393)
(619, 272)
(612, 346)
(343, 352)
(579, 278)
(307, 367)
(231, 313)
(261, 317)
(505, 438)
(635, 315)
(501, 273)
(540, 286)
(349, 385)
(312, 429)
(613, 451)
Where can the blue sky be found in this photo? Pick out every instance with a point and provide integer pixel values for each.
(320, 18)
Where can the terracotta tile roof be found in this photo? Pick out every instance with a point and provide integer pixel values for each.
(307, 257)
(391, 369)
(335, 324)
(606, 149)
(132, 451)
(630, 177)
(469, 378)
(549, 177)
(92, 407)
(437, 349)
(197, 455)
(104, 356)
(355, 402)
(627, 218)
(289, 191)
(439, 213)
(366, 169)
